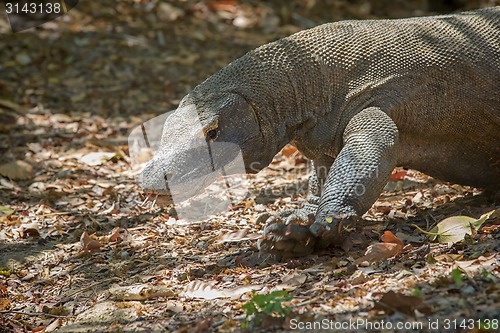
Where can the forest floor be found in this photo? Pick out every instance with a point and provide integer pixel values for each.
(80, 253)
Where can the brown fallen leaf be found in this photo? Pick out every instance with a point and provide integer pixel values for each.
(291, 282)
(140, 292)
(476, 266)
(4, 304)
(10, 105)
(389, 237)
(97, 158)
(30, 230)
(55, 310)
(379, 251)
(391, 247)
(54, 325)
(384, 207)
(398, 174)
(395, 302)
(203, 289)
(115, 235)
(208, 290)
(239, 236)
(18, 170)
(289, 150)
(203, 325)
(89, 244)
(448, 257)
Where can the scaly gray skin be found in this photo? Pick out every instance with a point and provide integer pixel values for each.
(358, 98)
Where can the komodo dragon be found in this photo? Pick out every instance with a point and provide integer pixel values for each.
(358, 98)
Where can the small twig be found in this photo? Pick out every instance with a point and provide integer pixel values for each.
(92, 286)
(145, 200)
(306, 302)
(220, 322)
(55, 213)
(33, 314)
(154, 202)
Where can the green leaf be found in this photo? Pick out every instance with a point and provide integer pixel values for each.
(268, 308)
(417, 292)
(260, 300)
(5, 211)
(249, 308)
(457, 276)
(479, 222)
(453, 229)
(270, 304)
(5, 272)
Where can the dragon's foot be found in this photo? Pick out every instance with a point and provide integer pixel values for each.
(328, 230)
(287, 234)
(295, 233)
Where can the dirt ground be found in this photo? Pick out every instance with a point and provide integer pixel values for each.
(80, 253)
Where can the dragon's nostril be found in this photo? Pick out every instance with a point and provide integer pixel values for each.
(167, 177)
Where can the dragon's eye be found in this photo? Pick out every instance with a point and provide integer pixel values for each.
(212, 134)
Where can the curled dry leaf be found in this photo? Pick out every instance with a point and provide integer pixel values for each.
(389, 237)
(29, 230)
(54, 325)
(384, 207)
(448, 257)
(398, 174)
(203, 289)
(379, 251)
(208, 290)
(89, 244)
(140, 292)
(291, 282)
(478, 265)
(115, 235)
(18, 170)
(4, 304)
(97, 158)
(392, 302)
(109, 210)
(289, 150)
(239, 235)
(391, 247)
(167, 12)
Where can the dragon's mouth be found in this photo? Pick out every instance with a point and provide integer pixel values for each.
(157, 198)
(177, 192)
(164, 200)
